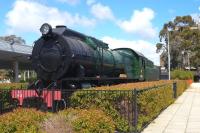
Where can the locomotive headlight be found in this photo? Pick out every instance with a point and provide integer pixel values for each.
(45, 29)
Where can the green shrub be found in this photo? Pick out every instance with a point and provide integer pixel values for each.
(181, 74)
(107, 101)
(182, 85)
(9, 86)
(66, 121)
(115, 103)
(152, 102)
(5, 98)
(110, 113)
(5, 93)
(56, 123)
(21, 121)
(79, 121)
(89, 121)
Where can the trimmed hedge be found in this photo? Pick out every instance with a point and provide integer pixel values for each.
(5, 95)
(13, 85)
(131, 86)
(5, 98)
(21, 121)
(182, 85)
(78, 121)
(182, 75)
(106, 101)
(115, 103)
(69, 120)
(110, 113)
(88, 121)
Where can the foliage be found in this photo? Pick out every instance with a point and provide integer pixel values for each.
(3, 74)
(21, 121)
(78, 121)
(103, 100)
(131, 86)
(117, 103)
(152, 102)
(5, 93)
(12, 39)
(183, 37)
(9, 86)
(56, 124)
(97, 110)
(181, 74)
(182, 85)
(5, 97)
(66, 121)
(88, 121)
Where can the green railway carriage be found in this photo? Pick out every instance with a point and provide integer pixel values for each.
(151, 71)
(138, 67)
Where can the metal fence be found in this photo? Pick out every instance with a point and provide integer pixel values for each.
(125, 102)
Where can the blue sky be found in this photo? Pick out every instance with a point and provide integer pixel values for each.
(121, 23)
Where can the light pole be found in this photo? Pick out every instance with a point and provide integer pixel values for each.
(183, 58)
(188, 53)
(168, 54)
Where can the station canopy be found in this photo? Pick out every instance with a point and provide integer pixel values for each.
(12, 52)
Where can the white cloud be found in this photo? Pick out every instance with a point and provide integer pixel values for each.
(146, 48)
(140, 23)
(102, 12)
(199, 8)
(195, 17)
(28, 16)
(71, 2)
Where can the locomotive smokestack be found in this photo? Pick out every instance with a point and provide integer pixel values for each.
(61, 26)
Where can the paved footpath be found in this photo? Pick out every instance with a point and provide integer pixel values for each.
(181, 117)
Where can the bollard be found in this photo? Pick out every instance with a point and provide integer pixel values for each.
(175, 89)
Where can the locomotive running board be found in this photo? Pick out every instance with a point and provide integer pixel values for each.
(98, 79)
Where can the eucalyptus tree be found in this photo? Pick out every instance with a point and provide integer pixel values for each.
(183, 35)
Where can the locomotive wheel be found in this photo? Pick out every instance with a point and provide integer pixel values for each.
(15, 103)
(32, 102)
(59, 105)
(26, 103)
(43, 107)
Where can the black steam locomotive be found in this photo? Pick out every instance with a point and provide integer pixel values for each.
(76, 60)
(66, 59)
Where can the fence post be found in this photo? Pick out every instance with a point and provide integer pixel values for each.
(135, 109)
(175, 89)
(1, 107)
(53, 102)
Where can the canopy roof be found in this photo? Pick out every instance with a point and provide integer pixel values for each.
(10, 52)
